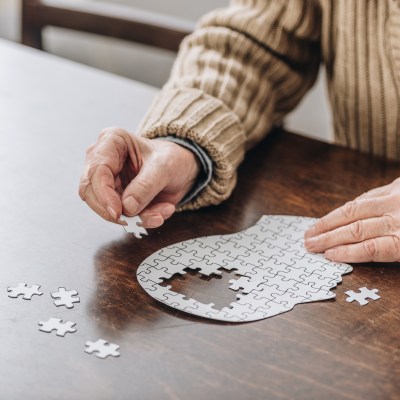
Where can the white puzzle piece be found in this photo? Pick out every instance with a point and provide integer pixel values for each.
(56, 324)
(22, 289)
(275, 270)
(102, 349)
(134, 226)
(65, 297)
(362, 296)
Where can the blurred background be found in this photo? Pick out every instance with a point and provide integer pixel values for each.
(147, 64)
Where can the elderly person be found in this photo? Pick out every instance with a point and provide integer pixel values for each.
(235, 78)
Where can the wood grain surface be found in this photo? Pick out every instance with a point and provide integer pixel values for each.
(323, 350)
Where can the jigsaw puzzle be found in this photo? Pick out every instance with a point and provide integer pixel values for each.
(275, 271)
(362, 297)
(102, 348)
(134, 226)
(22, 289)
(56, 324)
(65, 297)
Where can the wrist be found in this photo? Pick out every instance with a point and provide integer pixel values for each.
(201, 175)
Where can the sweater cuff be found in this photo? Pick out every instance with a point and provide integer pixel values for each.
(194, 115)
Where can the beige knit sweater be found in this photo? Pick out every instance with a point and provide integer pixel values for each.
(246, 66)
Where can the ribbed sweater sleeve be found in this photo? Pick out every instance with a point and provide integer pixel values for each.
(242, 70)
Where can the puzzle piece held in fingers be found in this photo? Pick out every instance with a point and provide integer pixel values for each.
(134, 226)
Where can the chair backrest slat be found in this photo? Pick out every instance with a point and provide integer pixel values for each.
(116, 21)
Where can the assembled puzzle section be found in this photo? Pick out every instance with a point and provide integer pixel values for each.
(275, 270)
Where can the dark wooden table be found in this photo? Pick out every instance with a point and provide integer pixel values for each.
(50, 110)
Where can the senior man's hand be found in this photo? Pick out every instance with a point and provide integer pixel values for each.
(127, 174)
(363, 230)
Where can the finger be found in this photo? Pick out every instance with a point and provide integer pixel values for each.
(376, 192)
(90, 192)
(111, 149)
(352, 211)
(103, 184)
(147, 184)
(353, 233)
(381, 249)
(152, 220)
(155, 214)
(105, 161)
(99, 209)
(165, 209)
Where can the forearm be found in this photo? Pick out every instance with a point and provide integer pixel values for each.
(236, 77)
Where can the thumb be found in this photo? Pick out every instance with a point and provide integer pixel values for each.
(146, 185)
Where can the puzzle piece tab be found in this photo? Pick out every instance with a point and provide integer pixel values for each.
(22, 289)
(65, 297)
(56, 324)
(362, 297)
(134, 226)
(102, 349)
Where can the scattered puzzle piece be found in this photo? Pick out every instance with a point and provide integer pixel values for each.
(134, 226)
(65, 297)
(275, 271)
(102, 348)
(22, 289)
(362, 297)
(56, 324)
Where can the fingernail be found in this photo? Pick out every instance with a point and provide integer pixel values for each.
(309, 232)
(131, 204)
(310, 243)
(331, 253)
(168, 211)
(154, 221)
(112, 212)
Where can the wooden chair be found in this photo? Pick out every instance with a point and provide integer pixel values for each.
(106, 19)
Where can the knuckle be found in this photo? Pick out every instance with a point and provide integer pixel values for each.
(346, 251)
(356, 230)
(83, 187)
(324, 240)
(321, 225)
(90, 170)
(82, 191)
(349, 209)
(112, 131)
(390, 224)
(396, 244)
(90, 149)
(363, 195)
(392, 199)
(106, 134)
(145, 185)
(371, 248)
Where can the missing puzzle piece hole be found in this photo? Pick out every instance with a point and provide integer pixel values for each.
(205, 289)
